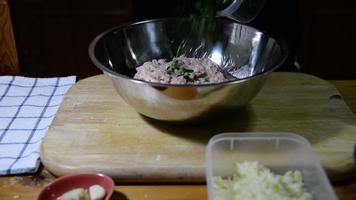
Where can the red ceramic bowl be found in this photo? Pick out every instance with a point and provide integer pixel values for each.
(83, 180)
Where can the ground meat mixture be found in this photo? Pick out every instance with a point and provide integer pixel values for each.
(181, 70)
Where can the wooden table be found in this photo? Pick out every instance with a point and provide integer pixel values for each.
(8, 63)
(27, 186)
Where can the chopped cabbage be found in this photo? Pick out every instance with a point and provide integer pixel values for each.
(254, 181)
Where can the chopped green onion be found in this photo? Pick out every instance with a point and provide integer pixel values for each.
(177, 68)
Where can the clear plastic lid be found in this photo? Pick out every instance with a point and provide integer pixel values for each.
(280, 152)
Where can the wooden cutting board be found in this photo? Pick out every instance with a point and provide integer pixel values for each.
(95, 130)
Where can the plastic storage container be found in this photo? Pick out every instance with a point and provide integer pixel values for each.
(278, 151)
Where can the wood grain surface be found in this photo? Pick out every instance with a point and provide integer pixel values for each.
(348, 92)
(95, 130)
(8, 54)
(26, 187)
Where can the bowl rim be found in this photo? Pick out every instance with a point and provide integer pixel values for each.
(279, 40)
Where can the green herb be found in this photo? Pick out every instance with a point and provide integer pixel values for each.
(201, 26)
(177, 68)
(203, 17)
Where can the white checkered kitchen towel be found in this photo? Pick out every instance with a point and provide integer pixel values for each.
(27, 109)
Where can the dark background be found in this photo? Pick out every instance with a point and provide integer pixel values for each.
(52, 37)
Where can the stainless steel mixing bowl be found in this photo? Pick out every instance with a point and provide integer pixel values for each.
(249, 54)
